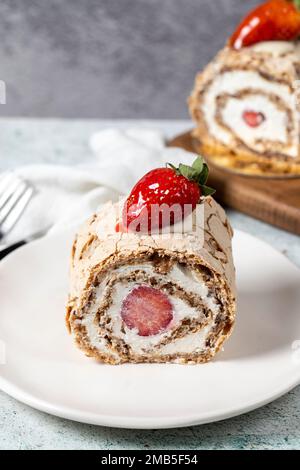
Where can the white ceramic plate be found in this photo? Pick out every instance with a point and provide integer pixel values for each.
(45, 370)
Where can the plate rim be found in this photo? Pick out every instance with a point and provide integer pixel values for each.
(129, 422)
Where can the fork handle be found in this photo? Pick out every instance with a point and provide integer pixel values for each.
(11, 248)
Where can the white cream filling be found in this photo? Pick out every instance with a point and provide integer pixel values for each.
(95, 339)
(189, 280)
(274, 125)
(192, 343)
(141, 344)
(233, 82)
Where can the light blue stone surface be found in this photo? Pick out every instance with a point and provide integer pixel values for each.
(275, 426)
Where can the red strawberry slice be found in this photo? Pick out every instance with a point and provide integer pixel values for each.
(253, 118)
(146, 309)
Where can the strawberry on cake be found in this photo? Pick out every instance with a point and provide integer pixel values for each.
(246, 103)
(152, 277)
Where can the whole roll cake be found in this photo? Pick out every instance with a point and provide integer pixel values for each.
(246, 101)
(168, 296)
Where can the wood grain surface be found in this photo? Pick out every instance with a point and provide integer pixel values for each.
(273, 200)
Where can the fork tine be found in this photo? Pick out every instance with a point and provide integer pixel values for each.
(10, 186)
(17, 210)
(11, 202)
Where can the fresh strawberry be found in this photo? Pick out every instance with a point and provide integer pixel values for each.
(274, 20)
(164, 196)
(146, 309)
(253, 118)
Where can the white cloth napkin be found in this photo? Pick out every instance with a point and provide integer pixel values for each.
(66, 195)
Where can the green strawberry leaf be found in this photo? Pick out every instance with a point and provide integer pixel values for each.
(198, 173)
(203, 175)
(198, 163)
(187, 171)
(207, 191)
(297, 4)
(172, 166)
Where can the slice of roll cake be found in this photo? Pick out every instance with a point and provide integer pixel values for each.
(246, 108)
(164, 296)
(246, 102)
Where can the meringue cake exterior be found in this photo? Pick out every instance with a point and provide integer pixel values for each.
(119, 279)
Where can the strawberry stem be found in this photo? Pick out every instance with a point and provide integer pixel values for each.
(198, 173)
(297, 4)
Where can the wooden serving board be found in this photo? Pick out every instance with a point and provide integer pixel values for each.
(273, 200)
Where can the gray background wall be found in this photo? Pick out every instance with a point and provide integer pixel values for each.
(108, 58)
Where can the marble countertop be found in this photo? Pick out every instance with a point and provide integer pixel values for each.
(275, 426)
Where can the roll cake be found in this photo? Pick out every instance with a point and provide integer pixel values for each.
(246, 106)
(153, 298)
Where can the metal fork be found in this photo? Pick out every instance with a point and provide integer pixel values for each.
(15, 194)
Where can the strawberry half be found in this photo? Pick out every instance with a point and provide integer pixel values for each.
(147, 310)
(274, 20)
(253, 118)
(165, 196)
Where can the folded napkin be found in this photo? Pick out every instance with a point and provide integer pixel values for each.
(66, 195)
